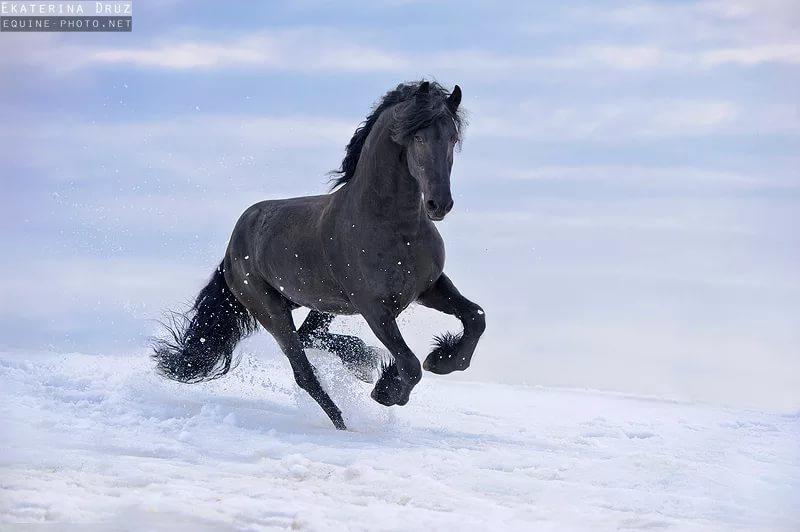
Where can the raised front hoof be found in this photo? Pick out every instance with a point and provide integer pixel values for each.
(446, 358)
(390, 389)
(440, 366)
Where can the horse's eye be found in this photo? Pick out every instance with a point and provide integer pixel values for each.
(418, 139)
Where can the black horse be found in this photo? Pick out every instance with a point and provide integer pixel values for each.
(370, 247)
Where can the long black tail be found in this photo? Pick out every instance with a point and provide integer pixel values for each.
(199, 344)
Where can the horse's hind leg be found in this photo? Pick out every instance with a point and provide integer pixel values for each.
(356, 356)
(453, 352)
(274, 313)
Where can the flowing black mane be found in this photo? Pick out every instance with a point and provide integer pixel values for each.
(420, 114)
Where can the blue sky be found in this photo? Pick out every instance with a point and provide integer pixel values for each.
(627, 196)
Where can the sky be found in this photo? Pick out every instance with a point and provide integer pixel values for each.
(627, 197)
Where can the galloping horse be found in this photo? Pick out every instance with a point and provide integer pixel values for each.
(370, 247)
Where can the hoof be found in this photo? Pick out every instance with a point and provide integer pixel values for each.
(391, 389)
(440, 366)
(446, 356)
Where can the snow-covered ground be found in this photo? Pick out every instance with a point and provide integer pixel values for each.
(102, 439)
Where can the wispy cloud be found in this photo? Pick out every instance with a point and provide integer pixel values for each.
(709, 23)
(92, 284)
(296, 49)
(779, 53)
(288, 50)
(201, 146)
(643, 57)
(652, 176)
(276, 53)
(304, 49)
(617, 120)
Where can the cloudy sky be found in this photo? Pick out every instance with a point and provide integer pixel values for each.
(627, 196)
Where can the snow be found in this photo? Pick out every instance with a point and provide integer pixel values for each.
(102, 439)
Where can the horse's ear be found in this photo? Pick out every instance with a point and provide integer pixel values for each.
(423, 89)
(454, 99)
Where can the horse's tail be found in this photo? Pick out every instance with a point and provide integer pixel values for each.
(200, 342)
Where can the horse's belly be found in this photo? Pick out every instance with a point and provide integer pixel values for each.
(312, 288)
(323, 301)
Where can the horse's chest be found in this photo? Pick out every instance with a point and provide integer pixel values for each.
(399, 269)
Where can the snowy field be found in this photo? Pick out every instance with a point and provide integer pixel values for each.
(94, 439)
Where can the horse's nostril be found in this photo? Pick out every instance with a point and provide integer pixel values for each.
(449, 206)
(431, 205)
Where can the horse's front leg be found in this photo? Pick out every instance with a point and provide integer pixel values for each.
(398, 379)
(453, 352)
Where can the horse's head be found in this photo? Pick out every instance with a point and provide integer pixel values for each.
(429, 148)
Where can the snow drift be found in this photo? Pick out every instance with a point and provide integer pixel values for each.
(102, 439)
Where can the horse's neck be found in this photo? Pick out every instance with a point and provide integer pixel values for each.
(382, 185)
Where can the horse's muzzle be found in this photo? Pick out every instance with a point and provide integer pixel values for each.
(437, 210)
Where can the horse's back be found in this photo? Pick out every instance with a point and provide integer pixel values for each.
(290, 207)
(273, 218)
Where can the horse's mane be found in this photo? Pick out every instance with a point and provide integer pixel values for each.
(420, 114)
